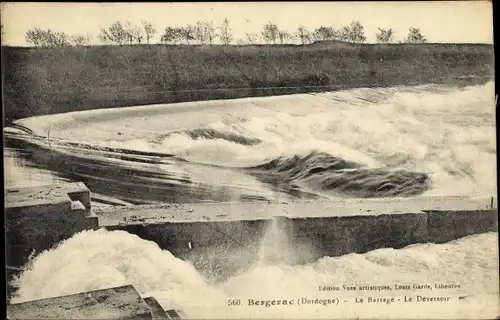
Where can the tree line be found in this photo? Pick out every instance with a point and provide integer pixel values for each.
(49, 38)
(205, 32)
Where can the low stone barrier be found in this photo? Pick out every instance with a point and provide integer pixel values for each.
(112, 303)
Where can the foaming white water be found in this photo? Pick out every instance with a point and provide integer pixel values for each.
(448, 133)
(98, 259)
(273, 247)
(93, 260)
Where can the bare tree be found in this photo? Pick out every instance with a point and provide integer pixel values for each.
(210, 31)
(59, 39)
(251, 37)
(133, 33)
(385, 35)
(114, 34)
(325, 33)
(35, 37)
(80, 40)
(119, 33)
(188, 33)
(354, 32)
(171, 35)
(204, 32)
(303, 35)
(149, 30)
(47, 38)
(284, 36)
(226, 35)
(321, 33)
(200, 33)
(270, 33)
(414, 36)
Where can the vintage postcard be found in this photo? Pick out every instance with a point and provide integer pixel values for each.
(250, 160)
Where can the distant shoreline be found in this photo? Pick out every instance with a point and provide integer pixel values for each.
(54, 80)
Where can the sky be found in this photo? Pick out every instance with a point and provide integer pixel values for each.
(438, 21)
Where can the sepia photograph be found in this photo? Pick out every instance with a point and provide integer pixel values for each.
(250, 160)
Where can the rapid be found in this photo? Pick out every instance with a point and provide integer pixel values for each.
(364, 143)
(94, 260)
(382, 142)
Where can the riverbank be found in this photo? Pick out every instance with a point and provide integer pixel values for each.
(54, 80)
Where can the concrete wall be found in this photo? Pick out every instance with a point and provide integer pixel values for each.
(113, 303)
(339, 236)
(158, 311)
(229, 246)
(38, 218)
(220, 244)
(224, 238)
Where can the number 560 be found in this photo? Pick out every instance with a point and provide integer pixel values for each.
(233, 303)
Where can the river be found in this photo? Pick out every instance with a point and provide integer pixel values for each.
(362, 143)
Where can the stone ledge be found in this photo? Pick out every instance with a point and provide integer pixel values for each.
(112, 303)
(246, 211)
(311, 229)
(38, 218)
(41, 199)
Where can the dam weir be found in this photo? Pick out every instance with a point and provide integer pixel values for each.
(231, 237)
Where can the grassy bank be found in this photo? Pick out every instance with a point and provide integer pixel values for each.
(44, 81)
